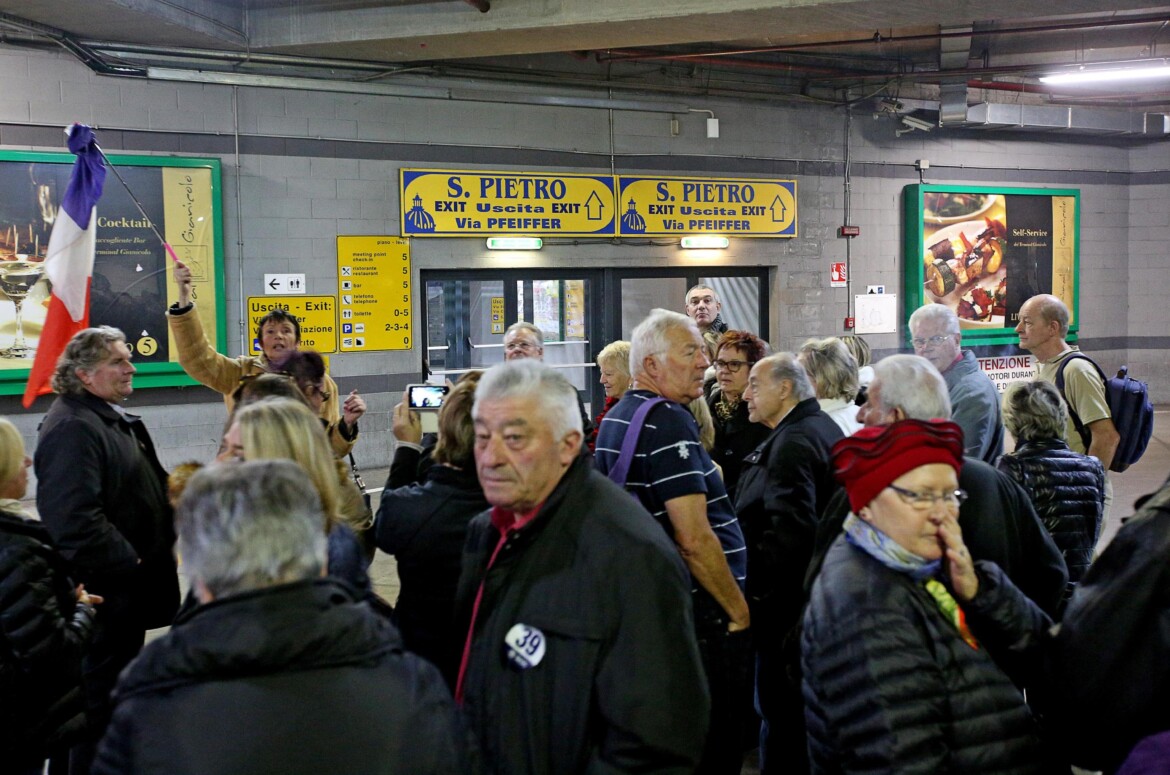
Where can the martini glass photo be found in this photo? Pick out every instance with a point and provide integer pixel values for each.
(17, 278)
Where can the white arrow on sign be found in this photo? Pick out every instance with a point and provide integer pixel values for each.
(280, 284)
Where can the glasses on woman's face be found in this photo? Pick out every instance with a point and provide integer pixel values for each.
(923, 500)
(731, 366)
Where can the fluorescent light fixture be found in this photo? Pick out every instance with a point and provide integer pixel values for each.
(1102, 75)
(514, 243)
(690, 243)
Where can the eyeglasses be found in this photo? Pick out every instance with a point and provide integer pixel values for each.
(932, 341)
(320, 391)
(525, 346)
(732, 366)
(924, 500)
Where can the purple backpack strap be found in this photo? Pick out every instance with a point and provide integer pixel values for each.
(621, 469)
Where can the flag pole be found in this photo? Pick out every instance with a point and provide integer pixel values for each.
(141, 209)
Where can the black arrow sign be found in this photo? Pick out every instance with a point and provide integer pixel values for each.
(273, 284)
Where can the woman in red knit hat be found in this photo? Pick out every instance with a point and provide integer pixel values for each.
(904, 635)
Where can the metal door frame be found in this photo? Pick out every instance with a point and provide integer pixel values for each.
(603, 308)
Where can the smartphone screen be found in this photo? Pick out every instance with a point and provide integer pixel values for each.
(427, 396)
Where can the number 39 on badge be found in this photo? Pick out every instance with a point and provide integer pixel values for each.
(524, 646)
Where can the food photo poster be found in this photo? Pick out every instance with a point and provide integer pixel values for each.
(985, 251)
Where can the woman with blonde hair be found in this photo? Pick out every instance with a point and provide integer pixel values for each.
(45, 624)
(833, 370)
(614, 363)
(283, 429)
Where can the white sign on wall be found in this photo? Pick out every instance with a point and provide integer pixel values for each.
(1004, 370)
(283, 284)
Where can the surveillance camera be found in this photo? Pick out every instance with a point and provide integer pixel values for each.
(917, 123)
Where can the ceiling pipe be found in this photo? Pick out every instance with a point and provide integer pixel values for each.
(642, 54)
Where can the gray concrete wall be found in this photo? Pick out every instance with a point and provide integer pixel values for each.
(315, 165)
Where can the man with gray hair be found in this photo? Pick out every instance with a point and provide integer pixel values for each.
(524, 340)
(278, 667)
(579, 654)
(675, 479)
(998, 520)
(936, 336)
(101, 493)
(785, 484)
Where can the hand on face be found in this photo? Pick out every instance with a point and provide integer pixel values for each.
(959, 564)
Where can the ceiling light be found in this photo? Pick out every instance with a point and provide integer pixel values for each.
(1159, 70)
(514, 243)
(690, 243)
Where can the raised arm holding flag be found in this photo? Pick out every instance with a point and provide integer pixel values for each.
(69, 259)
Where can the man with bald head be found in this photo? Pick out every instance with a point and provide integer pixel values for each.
(1043, 328)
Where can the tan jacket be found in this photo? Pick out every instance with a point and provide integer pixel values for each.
(222, 374)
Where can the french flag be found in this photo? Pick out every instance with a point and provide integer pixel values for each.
(69, 259)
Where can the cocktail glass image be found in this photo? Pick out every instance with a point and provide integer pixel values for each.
(17, 278)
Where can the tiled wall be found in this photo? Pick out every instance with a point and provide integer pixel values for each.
(316, 165)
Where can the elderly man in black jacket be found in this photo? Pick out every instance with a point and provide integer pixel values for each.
(278, 669)
(101, 492)
(580, 653)
(784, 485)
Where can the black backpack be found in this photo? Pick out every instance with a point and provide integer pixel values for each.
(1130, 407)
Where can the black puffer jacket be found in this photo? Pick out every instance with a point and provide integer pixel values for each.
(425, 526)
(43, 631)
(298, 679)
(1068, 491)
(891, 687)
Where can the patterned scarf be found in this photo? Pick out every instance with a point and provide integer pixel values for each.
(893, 555)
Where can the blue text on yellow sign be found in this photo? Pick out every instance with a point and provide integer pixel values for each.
(678, 206)
(450, 203)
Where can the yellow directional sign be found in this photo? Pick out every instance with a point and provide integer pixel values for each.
(676, 206)
(450, 203)
(497, 314)
(373, 293)
(317, 316)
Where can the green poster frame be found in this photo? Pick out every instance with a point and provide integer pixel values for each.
(914, 247)
(150, 375)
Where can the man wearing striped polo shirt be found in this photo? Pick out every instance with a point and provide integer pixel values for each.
(676, 480)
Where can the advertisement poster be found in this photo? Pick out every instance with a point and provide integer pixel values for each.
(131, 286)
(984, 252)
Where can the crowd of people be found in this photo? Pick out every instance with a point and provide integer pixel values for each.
(834, 563)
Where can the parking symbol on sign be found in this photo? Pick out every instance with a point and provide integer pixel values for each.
(347, 328)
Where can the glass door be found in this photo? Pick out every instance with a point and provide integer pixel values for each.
(467, 316)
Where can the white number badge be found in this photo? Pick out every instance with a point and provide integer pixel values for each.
(524, 646)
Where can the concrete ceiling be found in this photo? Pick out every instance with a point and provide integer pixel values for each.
(766, 49)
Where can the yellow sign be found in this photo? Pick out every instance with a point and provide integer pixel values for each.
(497, 314)
(188, 209)
(738, 208)
(317, 316)
(447, 203)
(373, 293)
